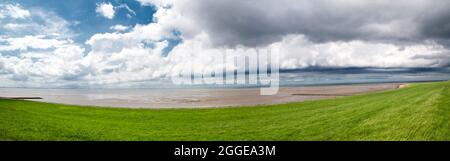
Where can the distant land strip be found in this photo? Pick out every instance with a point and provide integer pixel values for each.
(20, 98)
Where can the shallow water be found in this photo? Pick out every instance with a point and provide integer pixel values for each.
(189, 97)
(300, 83)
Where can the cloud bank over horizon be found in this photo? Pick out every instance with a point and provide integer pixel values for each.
(39, 47)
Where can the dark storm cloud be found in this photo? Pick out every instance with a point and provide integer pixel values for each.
(259, 22)
(437, 25)
(440, 59)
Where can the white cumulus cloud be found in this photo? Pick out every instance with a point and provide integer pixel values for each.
(30, 42)
(106, 10)
(119, 28)
(14, 11)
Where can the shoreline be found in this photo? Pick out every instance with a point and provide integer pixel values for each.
(197, 98)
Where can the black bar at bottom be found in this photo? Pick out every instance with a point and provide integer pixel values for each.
(223, 150)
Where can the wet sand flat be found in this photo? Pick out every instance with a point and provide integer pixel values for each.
(191, 98)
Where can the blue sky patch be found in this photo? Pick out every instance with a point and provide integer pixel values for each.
(87, 21)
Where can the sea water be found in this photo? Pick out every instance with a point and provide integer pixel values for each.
(162, 93)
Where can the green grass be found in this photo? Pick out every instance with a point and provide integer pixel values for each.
(418, 112)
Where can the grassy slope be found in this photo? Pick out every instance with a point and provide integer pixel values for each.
(418, 112)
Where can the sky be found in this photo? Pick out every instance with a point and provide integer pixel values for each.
(76, 43)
